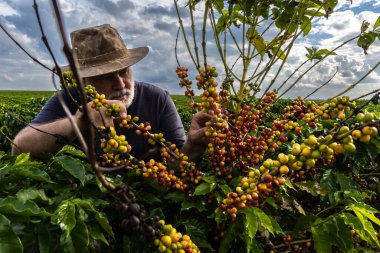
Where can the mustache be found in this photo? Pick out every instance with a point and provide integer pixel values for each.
(119, 93)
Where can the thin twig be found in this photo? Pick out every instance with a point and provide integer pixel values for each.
(337, 69)
(204, 34)
(324, 57)
(175, 47)
(87, 127)
(194, 34)
(184, 33)
(357, 82)
(362, 96)
(19, 45)
(47, 45)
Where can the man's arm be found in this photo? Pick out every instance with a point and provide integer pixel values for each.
(30, 140)
(37, 142)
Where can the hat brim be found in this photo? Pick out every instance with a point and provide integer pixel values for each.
(134, 56)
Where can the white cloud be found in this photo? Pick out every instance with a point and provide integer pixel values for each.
(6, 10)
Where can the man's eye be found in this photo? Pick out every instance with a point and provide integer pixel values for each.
(106, 77)
(123, 71)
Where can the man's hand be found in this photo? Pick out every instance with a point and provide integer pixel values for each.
(196, 134)
(100, 118)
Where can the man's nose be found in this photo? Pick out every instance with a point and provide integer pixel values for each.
(118, 82)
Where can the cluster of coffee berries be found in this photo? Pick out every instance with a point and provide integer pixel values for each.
(170, 240)
(127, 121)
(206, 81)
(253, 188)
(164, 177)
(113, 143)
(182, 73)
(90, 91)
(301, 110)
(267, 100)
(70, 81)
(261, 183)
(225, 89)
(336, 108)
(98, 102)
(365, 134)
(133, 216)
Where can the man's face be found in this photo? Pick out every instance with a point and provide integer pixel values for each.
(115, 86)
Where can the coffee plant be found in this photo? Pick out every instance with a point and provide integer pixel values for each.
(278, 175)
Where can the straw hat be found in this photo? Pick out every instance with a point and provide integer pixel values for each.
(100, 50)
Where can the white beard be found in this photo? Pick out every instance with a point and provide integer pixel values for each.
(128, 101)
(130, 93)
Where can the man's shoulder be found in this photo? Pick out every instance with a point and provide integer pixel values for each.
(150, 89)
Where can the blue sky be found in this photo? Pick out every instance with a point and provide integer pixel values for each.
(154, 23)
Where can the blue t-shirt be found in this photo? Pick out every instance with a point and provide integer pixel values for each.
(151, 104)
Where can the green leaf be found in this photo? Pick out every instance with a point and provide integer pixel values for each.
(267, 222)
(343, 237)
(314, 13)
(256, 40)
(322, 240)
(251, 222)
(368, 228)
(219, 215)
(72, 166)
(9, 241)
(276, 51)
(197, 231)
(364, 233)
(209, 179)
(229, 237)
(32, 172)
(176, 196)
(157, 212)
(80, 237)
(149, 198)
(312, 187)
(66, 244)
(222, 24)
(225, 188)
(306, 25)
(95, 233)
(345, 183)
(204, 188)
(305, 222)
(366, 39)
(64, 216)
(253, 246)
(377, 23)
(70, 150)
(43, 239)
(86, 204)
(189, 204)
(219, 5)
(289, 184)
(103, 222)
(33, 194)
(366, 210)
(13, 205)
(22, 158)
(299, 207)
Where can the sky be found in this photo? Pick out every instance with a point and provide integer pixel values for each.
(155, 23)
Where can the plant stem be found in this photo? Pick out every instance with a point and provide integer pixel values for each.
(184, 33)
(303, 74)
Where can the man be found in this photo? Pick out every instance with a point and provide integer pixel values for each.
(105, 62)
